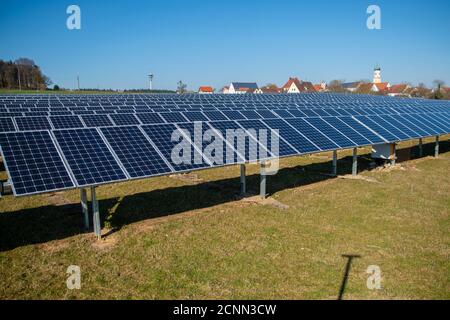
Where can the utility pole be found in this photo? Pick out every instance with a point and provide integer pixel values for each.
(78, 81)
(150, 77)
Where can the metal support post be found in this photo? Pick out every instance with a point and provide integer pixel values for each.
(263, 180)
(84, 207)
(436, 148)
(334, 169)
(355, 162)
(243, 182)
(96, 214)
(394, 155)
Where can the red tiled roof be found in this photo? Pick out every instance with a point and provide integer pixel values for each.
(205, 89)
(382, 86)
(302, 86)
(398, 88)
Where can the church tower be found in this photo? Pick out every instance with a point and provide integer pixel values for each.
(377, 74)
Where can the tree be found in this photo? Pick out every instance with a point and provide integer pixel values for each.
(56, 87)
(336, 86)
(438, 84)
(22, 73)
(181, 87)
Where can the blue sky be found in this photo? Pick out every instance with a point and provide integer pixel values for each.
(216, 42)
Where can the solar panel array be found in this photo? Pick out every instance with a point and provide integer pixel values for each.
(56, 142)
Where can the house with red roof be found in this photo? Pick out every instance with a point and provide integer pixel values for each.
(294, 85)
(399, 89)
(205, 90)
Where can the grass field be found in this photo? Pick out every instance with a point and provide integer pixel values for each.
(191, 237)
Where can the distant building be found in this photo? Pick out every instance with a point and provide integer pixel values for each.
(271, 89)
(205, 90)
(242, 87)
(382, 87)
(377, 75)
(352, 86)
(225, 89)
(294, 85)
(321, 86)
(399, 90)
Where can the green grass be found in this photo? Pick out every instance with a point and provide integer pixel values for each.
(176, 239)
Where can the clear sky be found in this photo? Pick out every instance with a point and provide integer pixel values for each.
(216, 42)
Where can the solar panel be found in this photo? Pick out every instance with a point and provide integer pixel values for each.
(6, 124)
(124, 119)
(88, 157)
(195, 116)
(32, 123)
(251, 114)
(215, 115)
(312, 134)
(166, 137)
(150, 118)
(66, 122)
(284, 149)
(381, 131)
(233, 115)
(384, 122)
(349, 132)
(97, 120)
(289, 134)
(266, 114)
(173, 117)
(331, 133)
(33, 163)
(135, 152)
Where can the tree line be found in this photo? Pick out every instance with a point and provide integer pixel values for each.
(22, 74)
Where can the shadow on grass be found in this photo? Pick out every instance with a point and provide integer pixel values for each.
(43, 224)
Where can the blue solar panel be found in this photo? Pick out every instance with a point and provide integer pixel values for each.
(173, 117)
(390, 127)
(96, 120)
(284, 149)
(66, 122)
(362, 130)
(296, 139)
(267, 114)
(215, 115)
(32, 123)
(150, 118)
(232, 151)
(6, 124)
(161, 135)
(440, 125)
(234, 115)
(88, 157)
(251, 114)
(331, 133)
(312, 134)
(349, 132)
(413, 123)
(124, 119)
(33, 163)
(284, 114)
(135, 152)
(195, 116)
(401, 126)
(381, 131)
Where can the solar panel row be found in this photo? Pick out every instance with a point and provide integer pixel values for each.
(61, 152)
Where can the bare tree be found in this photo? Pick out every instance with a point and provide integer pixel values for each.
(181, 87)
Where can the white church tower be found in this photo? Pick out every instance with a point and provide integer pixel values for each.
(377, 74)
